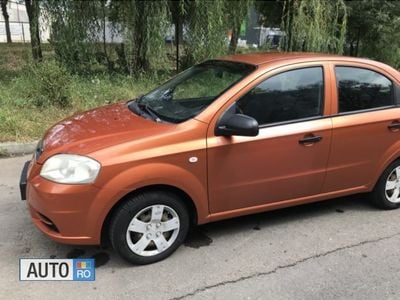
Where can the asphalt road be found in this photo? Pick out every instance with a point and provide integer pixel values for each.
(342, 248)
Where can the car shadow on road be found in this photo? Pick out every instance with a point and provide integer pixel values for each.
(258, 221)
(203, 235)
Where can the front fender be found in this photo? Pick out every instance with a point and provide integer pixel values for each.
(146, 175)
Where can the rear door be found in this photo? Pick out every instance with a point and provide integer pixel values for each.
(365, 123)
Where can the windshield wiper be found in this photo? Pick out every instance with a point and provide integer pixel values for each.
(144, 110)
(150, 111)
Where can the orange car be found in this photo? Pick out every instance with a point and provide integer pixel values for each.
(228, 137)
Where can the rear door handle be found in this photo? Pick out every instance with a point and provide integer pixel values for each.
(394, 126)
(310, 140)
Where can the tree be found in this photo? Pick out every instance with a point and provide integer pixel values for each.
(74, 37)
(374, 30)
(308, 25)
(33, 11)
(278, 13)
(236, 12)
(314, 25)
(360, 20)
(178, 10)
(103, 18)
(143, 25)
(271, 11)
(3, 4)
(369, 28)
(207, 29)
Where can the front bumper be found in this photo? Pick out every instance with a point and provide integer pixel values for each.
(60, 211)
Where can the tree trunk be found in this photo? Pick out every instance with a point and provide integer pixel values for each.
(104, 23)
(3, 4)
(358, 41)
(234, 39)
(140, 57)
(140, 62)
(177, 25)
(290, 25)
(351, 50)
(33, 10)
(287, 23)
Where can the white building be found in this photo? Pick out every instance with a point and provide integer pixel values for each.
(19, 24)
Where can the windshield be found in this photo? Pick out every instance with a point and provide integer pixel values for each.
(190, 92)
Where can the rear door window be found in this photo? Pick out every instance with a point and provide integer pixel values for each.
(362, 89)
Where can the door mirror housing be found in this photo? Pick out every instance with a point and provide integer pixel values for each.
(236, 124)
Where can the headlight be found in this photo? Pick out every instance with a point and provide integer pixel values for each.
(69, 168)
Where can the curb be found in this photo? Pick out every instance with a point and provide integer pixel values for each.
(13, 149)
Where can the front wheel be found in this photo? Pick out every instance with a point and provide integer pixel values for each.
(386, 194)
(149, 227)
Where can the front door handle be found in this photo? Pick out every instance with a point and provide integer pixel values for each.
(310, 140)
(394, 126)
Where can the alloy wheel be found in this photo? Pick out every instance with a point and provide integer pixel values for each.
(153, 230)
(392, 187)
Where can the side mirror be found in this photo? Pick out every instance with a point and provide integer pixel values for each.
(237, 124)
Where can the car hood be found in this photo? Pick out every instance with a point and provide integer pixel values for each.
(98, 128)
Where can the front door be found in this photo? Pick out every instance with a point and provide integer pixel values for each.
(287, 160)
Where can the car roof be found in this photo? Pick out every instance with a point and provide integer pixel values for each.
(260, 58)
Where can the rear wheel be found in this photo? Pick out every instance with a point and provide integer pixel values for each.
(149, 227)
(386, 194)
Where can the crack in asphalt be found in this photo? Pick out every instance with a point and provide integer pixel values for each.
(281, 267)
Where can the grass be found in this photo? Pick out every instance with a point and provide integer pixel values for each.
(21, 121)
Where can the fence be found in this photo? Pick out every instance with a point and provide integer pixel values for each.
(19, 24)
(19, 32)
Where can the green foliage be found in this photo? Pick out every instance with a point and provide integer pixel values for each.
(75, 27)
(88, 72)
(79, 34)
(207, 30)
(271, 12)
(22, 120)
(33, 11)
(367, 28)
(101, 89)
(315, 25)
(205, 84)
(374, 30)
(45, 84)
(236, 13)
(143, 25)
(79, 30)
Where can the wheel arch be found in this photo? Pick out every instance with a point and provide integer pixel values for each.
(384, 164)
(186, 199)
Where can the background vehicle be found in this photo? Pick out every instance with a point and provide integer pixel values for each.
(240, 135)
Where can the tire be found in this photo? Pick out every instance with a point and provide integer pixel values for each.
(158, 223)
(386, 194)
